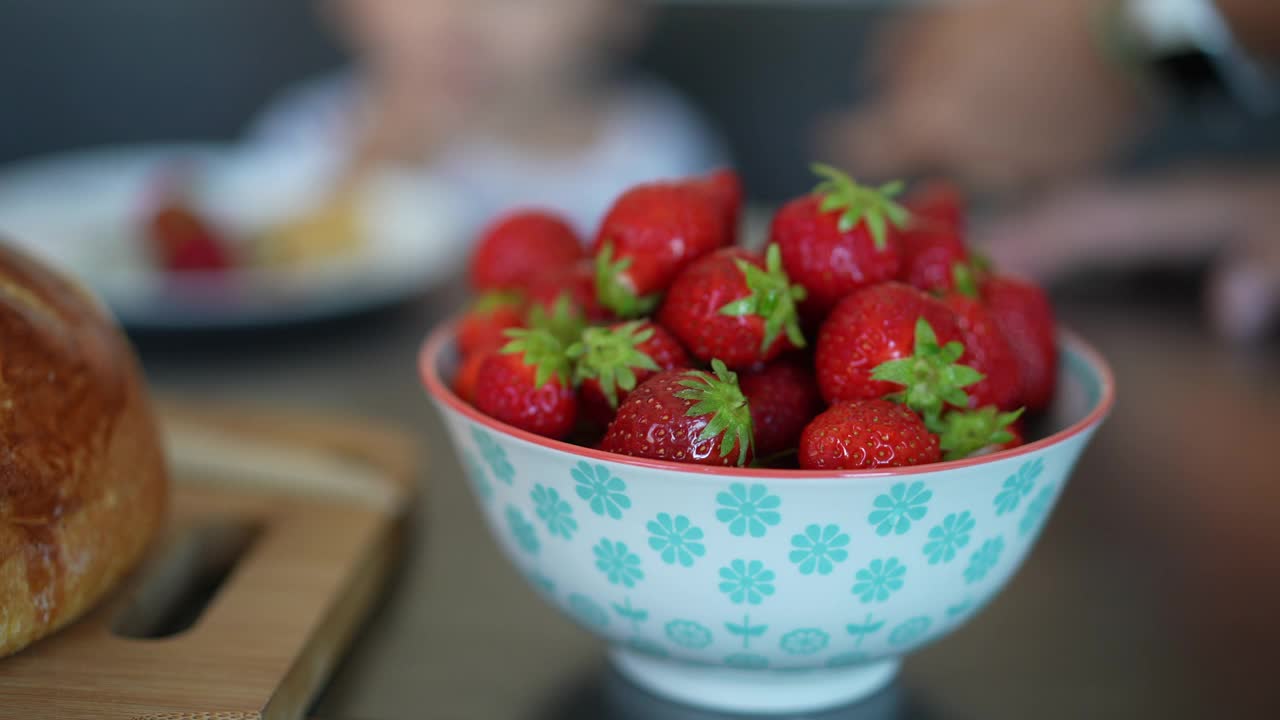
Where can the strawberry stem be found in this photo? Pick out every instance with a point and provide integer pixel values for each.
(565, 320)
(542, 351)
(718, 395)
(856, 203)
(611, 290)
(611, 356)
(931, 378)
(963, 433)
(964, 279)
(494, 299)
(772, 297)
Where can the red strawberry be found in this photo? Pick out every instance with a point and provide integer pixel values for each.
(929, 257)
(182, 241)
(979, 432)
(649, 235)
(839, 238)
(464, 381)
(485, 321)
(611, 361)
(783, 397)
(866, 434)
(880, 324)
(576, 281)
(988, 352)
(689, 416)
(726, 188)
(939, 205)
(527, 384)
(1025, 317)
(732, 306)
(519, 246)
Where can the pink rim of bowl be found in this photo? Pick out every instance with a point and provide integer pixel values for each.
(440, 339)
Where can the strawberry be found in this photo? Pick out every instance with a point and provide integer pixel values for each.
(527, 384)
(937, 205)
(839, 238)
(487, 318)
(783, 397)
(182, 241)
(517, 247)
(929, 256)
(979, 432)
(866, 434)
(726, 188)
(464, 380)
(732, 306)
(988, 352)
(649, 235)
(576, 281)
(690, 416)
(612, 360)
(1024, 316)
(880, 324)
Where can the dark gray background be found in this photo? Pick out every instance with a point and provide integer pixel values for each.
(76, 73)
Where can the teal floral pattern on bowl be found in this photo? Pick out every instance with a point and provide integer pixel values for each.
(676, 540)
(746, 582)
(748, 510)
(787, 577)
(898, 508)
(819, 549)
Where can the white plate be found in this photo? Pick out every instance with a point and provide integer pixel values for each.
(81, 212)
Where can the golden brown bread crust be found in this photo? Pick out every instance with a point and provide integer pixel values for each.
(82, 477)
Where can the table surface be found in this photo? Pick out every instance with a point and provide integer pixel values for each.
(1154, 592)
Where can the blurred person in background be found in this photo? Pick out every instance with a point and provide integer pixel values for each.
(504, 102)
(1028, 100)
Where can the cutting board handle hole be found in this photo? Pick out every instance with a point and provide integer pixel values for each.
(183, 579)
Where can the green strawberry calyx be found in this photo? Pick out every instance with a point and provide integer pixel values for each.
(542, 351)
(613, 292)
(495, 299)
(564, 320)
(719, 396)
(611, 356)
(964, 278)
(860, 203)
(964, 433)
(931, 379)
(772, 297)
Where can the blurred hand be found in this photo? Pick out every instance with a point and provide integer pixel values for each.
(1230, 218)
(996, 93)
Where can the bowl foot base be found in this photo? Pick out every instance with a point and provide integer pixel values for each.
(754, 691)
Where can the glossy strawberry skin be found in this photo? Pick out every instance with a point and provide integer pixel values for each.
(464, 380)
(939, 205)
(691, 312)
(784, 398)
(182, 241)
(653, 423)
(577, 279)
(505, 390)
(665, 351)
(661, 228)
(872, 326)
(830, 264)
(725, 187)
(521, 245)
(988, 352)
(482, 326)
(929, 256)
(867, 434)
(1025, 317)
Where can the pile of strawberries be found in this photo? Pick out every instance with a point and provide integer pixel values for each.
(865, 335)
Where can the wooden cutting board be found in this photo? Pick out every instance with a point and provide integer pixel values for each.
(282, 530)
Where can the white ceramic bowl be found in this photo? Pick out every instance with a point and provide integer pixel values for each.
(764, 590)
